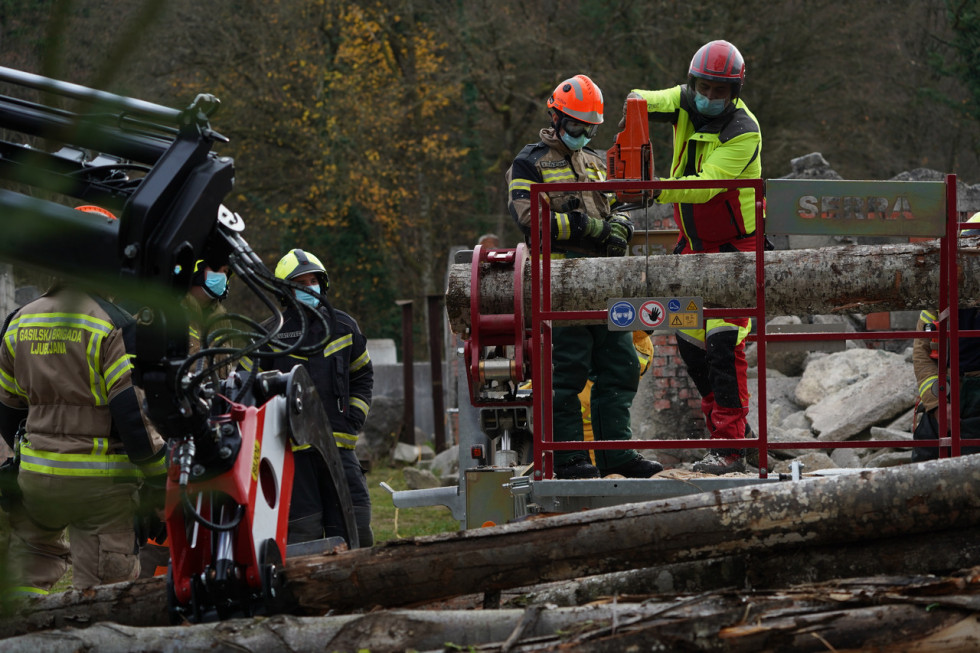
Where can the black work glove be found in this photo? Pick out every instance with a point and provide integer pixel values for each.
(597, 230)
(149, 526)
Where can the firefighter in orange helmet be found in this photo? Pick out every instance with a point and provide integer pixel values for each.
(582, 223)
(85, 450)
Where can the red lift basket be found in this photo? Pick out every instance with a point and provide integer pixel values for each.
(631, 157)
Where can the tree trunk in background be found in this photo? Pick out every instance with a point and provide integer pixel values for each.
(852, 279)
(7, 288)
(860, 508)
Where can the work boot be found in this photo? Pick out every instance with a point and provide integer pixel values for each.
(721, 461)
(577, 468)
(639, 467)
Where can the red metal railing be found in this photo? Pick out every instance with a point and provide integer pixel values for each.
(543, 315)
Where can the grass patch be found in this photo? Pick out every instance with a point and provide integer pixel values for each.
(390, 523)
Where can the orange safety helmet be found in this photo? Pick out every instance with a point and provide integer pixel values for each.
(579, 98)
(719, 61)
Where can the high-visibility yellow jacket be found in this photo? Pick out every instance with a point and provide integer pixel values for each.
(726, 147)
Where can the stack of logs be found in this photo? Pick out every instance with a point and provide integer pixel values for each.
(747, 569)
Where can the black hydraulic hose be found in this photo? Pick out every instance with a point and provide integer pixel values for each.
(206, 523)
(257, 278)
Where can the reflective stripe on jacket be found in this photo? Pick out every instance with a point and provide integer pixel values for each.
(77, 464)
(343, 373)
(925, 358)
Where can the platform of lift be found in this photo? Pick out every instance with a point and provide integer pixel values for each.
(498, 495)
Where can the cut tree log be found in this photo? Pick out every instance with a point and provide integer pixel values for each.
(922, 553)
(897, 613)
(847, 279)
(926, 498)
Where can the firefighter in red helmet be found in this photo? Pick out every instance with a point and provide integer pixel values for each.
(716, 136)
(582, 223)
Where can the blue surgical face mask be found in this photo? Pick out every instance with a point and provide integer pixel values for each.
(708, 107)
(575, 143)
(307, 298)
(216, 283)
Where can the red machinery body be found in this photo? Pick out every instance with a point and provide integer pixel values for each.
(631, 156)
(259, 484)
(498, 348)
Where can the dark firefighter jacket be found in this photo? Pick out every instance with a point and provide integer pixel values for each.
(550, 161)
(925, 354)
(343, 373)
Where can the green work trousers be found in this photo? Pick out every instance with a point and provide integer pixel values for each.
(608, 358)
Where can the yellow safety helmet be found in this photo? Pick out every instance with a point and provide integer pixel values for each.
(298, 262)
(972, 232)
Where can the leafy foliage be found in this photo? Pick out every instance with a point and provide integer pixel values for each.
(377, 134)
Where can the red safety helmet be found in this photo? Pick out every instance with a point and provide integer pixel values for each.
(579, 98)
(719, 61)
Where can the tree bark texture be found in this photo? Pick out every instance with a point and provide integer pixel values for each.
(927, 498)
(892, 613)
(849, 279)
(764, 570)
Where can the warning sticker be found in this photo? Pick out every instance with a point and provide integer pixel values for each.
(684, 320)
(652, 314)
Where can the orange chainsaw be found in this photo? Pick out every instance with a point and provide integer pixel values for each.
(631, 157)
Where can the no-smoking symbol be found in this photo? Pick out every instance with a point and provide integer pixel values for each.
(652, 314)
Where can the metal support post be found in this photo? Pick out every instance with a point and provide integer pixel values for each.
(407, 434)
(435, 371)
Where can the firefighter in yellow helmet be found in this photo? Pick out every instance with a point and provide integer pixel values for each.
(344, 379)
(925, 363)
(715, 137)
(65, 369)
(582, 224)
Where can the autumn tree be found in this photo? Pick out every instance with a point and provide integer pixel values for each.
(377, 134)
